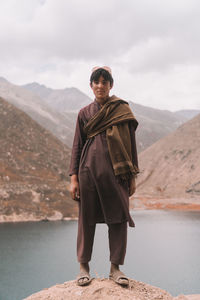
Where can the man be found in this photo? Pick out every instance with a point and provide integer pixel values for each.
(103, 169)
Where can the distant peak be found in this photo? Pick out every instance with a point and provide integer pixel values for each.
(35, 84)
(2, 79)
(71, 88)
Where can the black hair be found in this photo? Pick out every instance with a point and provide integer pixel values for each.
(101, 72)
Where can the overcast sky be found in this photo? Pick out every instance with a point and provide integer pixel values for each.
(152, 46)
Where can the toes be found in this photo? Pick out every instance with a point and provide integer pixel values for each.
(83, 280)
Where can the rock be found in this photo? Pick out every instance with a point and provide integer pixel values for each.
(102, 289)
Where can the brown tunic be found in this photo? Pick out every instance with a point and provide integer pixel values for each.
(102, 198)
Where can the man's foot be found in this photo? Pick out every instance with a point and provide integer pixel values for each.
(84, 276)
(83, 279)
(117, 276)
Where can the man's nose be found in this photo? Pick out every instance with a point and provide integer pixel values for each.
(100, 84)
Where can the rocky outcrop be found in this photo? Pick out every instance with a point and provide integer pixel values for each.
(170, 168)
(105, 289)
(34, 182)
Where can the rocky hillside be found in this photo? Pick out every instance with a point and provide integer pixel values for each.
(171, 167)
(33, 169)
(106, 289)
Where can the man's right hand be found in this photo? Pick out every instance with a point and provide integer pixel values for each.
(74, 188)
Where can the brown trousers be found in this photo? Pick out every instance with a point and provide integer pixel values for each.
(117, 234)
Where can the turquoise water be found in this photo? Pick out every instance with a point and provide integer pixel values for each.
(163, 250)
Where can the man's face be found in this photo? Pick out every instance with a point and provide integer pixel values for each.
(101, 88)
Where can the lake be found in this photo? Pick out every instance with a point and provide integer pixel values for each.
(163, 250)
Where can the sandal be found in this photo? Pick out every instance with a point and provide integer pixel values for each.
(81, 276)
(119, 278)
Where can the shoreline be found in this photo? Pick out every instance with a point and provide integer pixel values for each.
(20, 219)
(145, 202)
(30, 218)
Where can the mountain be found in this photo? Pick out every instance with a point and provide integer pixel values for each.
(187, 113)
(56, 110)
(33, 169)
(60, 125)
(63, 100)
(153, 124)
(170, 168)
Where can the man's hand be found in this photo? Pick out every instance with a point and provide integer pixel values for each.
(132, 186)
(74, 188)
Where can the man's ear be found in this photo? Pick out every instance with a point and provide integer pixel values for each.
(91, 85)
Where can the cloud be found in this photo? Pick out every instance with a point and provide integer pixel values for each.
(80, 29)
(145, 40)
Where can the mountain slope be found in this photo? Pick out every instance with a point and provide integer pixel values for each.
(171, 166)
(60, 125)
(33, 169)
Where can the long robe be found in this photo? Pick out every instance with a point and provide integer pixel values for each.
(103, 199)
